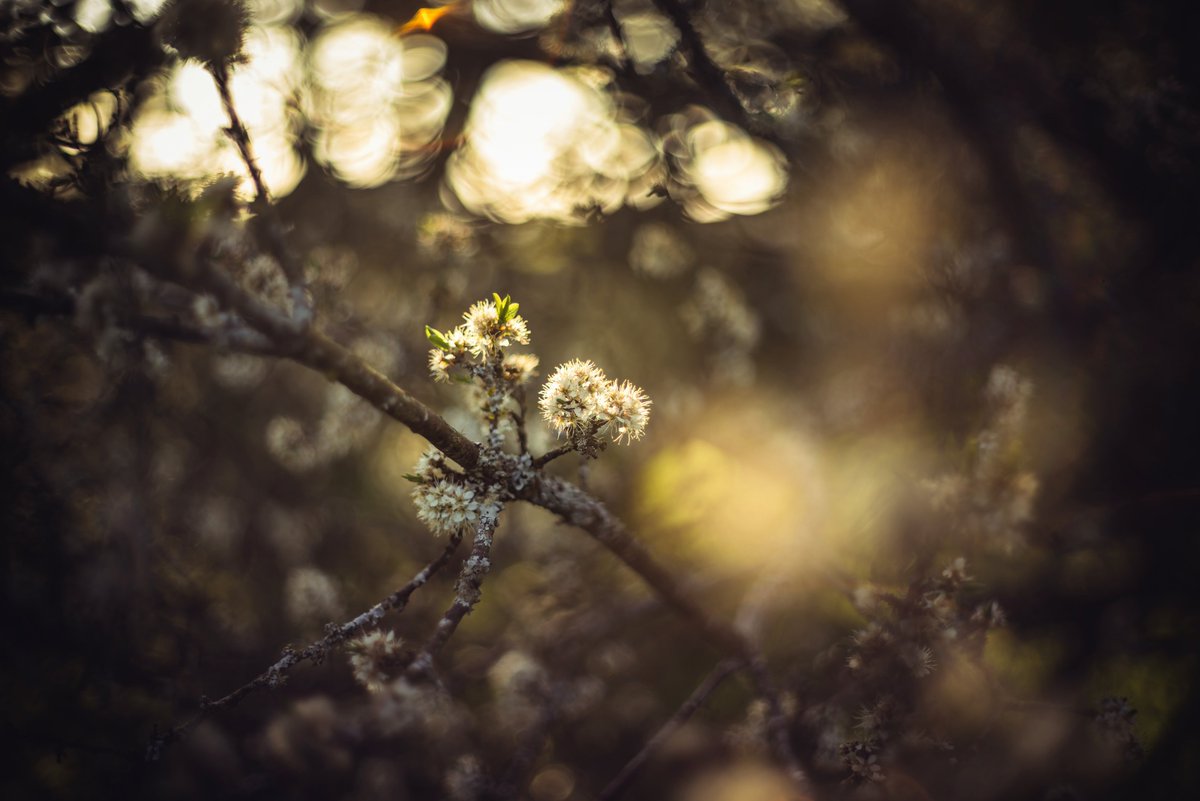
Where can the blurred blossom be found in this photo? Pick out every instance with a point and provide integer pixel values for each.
(515, 672)
(145, 10)
(93, 15)
(718, 316)
(740, 782)
(466, 779)
(762, 77)
(376, 101)
(443, 234)
(336, 9)
(83, 124)
(238, 370)
(307, 737)
(649, 38)
(516, 16)
(817, 14)
(658, 251)
(546, 143)
(552, 783)
(274, 12)
(218, 524)
(720, 170)
(179, 131)
(347, 422)
(993, 498)
(292, 533)
(311, 597)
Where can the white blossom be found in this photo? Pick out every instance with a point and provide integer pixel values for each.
(570, 397)
(447, 506)
(625, 410)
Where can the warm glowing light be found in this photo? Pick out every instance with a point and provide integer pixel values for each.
(546, 143)
(424, 19)
(734, 505)
(377, 101)
(649, 38)
(515, 16)
(720, 169)
(169, 143)
(180, 131)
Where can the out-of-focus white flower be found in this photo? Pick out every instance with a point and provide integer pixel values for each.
(370, 656)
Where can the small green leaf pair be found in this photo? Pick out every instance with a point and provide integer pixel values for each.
(505, 308)
(437, 338)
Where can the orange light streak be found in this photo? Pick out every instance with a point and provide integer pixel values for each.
(424, 19)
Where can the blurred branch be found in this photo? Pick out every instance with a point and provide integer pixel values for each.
(237, 132)
(315, 652)
(706, 71)
(121, 54)
(232, 336)
(278, 248)
(711, 682)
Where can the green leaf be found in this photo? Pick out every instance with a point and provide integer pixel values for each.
(414, 478)
(437, 338)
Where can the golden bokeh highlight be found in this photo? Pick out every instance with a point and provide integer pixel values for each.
(546, 143)
(179, 132)
(376, 101)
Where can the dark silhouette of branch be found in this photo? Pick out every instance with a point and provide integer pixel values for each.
(120, 55)
(269, 223)
(231, 336)
(276, 674)
(706, 71)
(699, 696)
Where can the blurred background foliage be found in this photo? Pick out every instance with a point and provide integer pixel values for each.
(908, 283)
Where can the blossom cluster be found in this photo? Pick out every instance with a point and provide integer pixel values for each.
(447, 501)
(578, 400)
(487, 327)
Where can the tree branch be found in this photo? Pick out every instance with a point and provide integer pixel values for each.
(467, 589)
(231, 336)
(711, 682)
(315, 652)
(278, 248)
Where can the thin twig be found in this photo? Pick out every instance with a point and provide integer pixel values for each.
(518, 418)
(549, 456)
(315, 652)
(682, 715)
(237, 131)
(271, 228)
